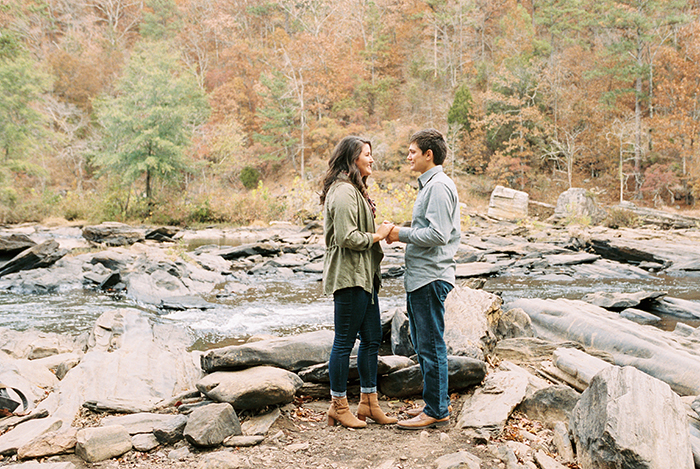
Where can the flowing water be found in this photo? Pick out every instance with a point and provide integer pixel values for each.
(288, 306)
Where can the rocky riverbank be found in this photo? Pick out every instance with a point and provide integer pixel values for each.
(535, 383)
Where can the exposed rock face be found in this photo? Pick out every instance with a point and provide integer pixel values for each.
(656, 352)
(508, 204)
(629, 420)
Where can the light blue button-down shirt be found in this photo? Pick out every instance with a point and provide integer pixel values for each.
(433, 238)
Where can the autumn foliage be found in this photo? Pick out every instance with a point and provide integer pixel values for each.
(538, 95)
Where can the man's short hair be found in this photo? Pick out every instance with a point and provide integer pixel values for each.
(431, 139)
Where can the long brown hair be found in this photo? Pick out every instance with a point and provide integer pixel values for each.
(343, 159)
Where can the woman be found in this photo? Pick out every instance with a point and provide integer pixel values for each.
(351, 273)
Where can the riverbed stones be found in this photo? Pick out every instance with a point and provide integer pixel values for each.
(252, 388)
(96, 444)
(617, 301)
(142, 422)
(113, 234)
(290, 353)
(655, 352)
(260, 424)
(49, 444)
(210, 425)
(42, 255)
(13, 244)
(629, 420)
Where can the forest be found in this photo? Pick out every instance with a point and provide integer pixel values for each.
(226, 111)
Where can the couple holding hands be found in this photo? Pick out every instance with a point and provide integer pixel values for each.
(352, 274)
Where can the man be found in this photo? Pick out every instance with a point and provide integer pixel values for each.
(431, 243)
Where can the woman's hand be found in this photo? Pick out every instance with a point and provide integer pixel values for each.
(383, 231)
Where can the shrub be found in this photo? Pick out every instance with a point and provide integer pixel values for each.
(250, 177)
(621, 218)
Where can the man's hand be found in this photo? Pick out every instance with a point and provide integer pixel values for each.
(393, 235)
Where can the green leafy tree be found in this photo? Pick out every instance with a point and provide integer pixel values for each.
(148, 125)
(22, 84)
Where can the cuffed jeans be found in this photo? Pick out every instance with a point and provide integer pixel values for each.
(356, 311)
(426, 316)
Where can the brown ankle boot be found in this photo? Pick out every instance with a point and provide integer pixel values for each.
(340, 412)
(369, 407)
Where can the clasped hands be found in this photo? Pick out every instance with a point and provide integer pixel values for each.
(388, 231)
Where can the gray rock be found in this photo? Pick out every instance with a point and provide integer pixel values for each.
(675, 307)
(143, 422)
(243, 441)
(467, 314)
(248, 250)
(113, 259)
(513, 323)
(629, 420)
(113, 234)
(458, 460)
(479, 269)
(96, 444)
(401, 343)
(639, 316)
(550, 405)
(13, 244)
(577, 204)
(41, 465)
(252, 388)
(155, 355)
(562, 442)
(463, 372)
(491, 404)
(508, 204)
(221, 460)
(290, 353)
(260, 424)
(571, 259)
(211, 425)
(144, 442)
(618, 301)
(171, 431)
(11, 441)
(42, 255)
(546, 462)
(49, 444)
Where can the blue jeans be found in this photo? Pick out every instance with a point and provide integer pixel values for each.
(426, 316)
(356, 311)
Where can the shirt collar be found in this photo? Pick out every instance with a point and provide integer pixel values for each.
(425, 178)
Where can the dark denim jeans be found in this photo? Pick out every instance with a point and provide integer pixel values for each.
(426, 316)
(356, 311)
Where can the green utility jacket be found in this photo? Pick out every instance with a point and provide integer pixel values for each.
(352, 259)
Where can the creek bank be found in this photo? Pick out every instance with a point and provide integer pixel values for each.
(507, 365)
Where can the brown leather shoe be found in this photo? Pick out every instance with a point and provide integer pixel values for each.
(422, 421)
(415, 411)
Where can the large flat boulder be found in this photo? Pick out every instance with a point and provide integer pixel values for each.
(252, 388)
(291, 353)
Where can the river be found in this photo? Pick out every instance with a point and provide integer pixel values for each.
(288, 306)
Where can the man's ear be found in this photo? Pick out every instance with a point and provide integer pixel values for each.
(429, 154)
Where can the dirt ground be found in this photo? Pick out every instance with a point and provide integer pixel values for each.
(301, 438)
